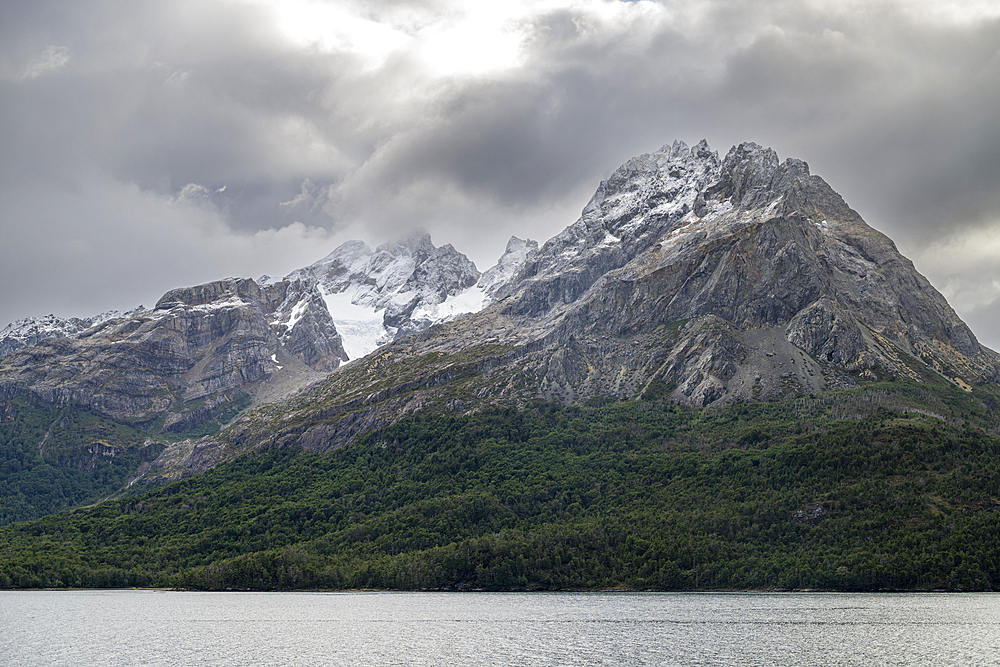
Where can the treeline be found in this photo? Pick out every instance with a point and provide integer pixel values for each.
(642, 495)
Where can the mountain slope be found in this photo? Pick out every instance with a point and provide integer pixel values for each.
(704, 280)
(202, 354)
(719, 376)
(639, 495)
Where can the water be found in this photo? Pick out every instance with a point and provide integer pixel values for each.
(132, 628)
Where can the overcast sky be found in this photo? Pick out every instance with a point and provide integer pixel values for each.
(149, 145)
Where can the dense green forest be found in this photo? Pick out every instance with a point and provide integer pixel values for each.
(833, 491)
(55, 458)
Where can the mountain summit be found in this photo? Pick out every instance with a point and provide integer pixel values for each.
(753, 262)
(753, 256)
(399, 288)
(689, 277)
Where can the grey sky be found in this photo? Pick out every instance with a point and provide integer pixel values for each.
(151, 145)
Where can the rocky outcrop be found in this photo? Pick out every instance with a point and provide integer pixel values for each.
(30, 330)
(497, 281)
(303, 324)
(190, 359)
(401, 287)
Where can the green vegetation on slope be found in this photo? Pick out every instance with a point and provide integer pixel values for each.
(635, 494)
(52, 459)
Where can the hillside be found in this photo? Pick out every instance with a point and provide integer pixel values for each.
(830, 492)
(718, 377)
(186, 367)
(708, 281)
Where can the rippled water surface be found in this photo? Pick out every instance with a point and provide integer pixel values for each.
(132, 628)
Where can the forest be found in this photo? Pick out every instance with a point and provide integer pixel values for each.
(833, 491)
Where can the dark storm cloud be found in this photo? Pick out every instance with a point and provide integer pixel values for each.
(174, 142)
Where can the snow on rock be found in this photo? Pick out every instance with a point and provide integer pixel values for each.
(360, 327)
(31, 330)
(374, 296)
(517, 255)
(629, 213)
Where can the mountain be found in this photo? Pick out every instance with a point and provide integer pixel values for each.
(761, 261)
(188, 360)
(31, 330)
(399, 288)
(707, 280)
(719, 376)
(206, 352)
(703, 280)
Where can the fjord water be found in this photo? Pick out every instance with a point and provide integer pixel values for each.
(131, 628)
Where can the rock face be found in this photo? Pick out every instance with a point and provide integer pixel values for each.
(399, 288)
(496, 281)
(756, 245)
(687, 277)
(188, 360)
(31, 330)
(303, 324)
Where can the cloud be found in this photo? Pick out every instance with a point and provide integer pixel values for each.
(52, 59)
(966, 267)
(115, 245)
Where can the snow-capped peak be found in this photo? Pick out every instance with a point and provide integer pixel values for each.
(517, 254)
(400, 287)
(30, 330)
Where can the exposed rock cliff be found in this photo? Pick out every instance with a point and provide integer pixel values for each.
(497, 280)
(188, 360)
(399, 288)
(687, 277)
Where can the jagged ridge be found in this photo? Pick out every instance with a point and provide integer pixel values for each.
(399, 288)
(30, 330)
(702, 279)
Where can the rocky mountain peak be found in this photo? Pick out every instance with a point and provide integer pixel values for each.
(760, 253)
(417, 245)
(31, 330)
(195, 357)
(403, 286)
(756, 176)
(234, 289)
(517, 255)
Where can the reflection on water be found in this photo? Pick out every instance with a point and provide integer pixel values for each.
(131, 628)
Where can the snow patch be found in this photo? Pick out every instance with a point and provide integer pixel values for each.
(231, 302)
(469, 301)
(361, 328)
(610, 239)
(297, 312)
